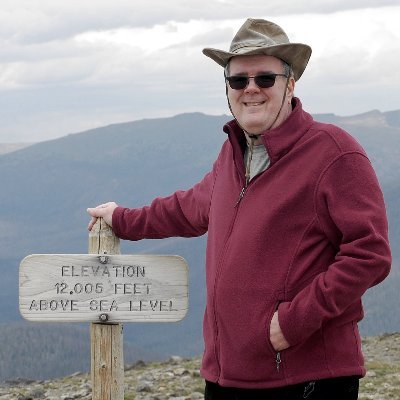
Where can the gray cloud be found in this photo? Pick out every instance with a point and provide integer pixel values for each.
(40, 21)
(54, 80)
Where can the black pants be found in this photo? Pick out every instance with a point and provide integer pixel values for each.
(343, 388)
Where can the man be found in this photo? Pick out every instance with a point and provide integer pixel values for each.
(297, 232)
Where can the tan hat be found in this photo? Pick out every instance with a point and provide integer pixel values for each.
(258, 36)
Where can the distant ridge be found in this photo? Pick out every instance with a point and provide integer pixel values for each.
(373, 118)
(10, 147)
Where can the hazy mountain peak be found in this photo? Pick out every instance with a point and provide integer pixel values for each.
(370, 119)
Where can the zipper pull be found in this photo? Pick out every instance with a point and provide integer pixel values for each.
(241, 195)
(278, 360)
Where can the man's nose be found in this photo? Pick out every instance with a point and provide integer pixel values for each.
(252, 86)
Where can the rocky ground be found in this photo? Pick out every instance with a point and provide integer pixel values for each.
(179, 379)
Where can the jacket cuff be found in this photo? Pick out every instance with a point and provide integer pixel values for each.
(116, 220)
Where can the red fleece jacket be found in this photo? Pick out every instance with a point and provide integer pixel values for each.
(308, 238)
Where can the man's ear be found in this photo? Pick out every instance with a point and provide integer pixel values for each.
(290, 87)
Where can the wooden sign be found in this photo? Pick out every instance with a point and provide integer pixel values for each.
(105, 288)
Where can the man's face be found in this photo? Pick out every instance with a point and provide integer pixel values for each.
(256, 108)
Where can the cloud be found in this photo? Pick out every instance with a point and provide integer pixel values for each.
(89, 66)
(39, 21)
(357, 51)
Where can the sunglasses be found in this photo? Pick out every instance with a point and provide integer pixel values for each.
(264, 81)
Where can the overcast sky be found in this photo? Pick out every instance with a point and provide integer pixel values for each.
(67, 66)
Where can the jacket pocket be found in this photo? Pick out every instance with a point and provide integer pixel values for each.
(247, 354)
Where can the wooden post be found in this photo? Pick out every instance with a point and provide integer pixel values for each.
(107, 360)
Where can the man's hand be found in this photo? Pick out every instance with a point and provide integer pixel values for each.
(276, 336)
(104, 211)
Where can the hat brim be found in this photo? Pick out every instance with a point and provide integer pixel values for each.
(295, 54)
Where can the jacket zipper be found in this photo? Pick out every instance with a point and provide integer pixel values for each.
(243, 191)
(241, 195)
(247, 182)
(246, 175)
(278, 360)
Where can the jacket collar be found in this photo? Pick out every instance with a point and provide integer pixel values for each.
(278, 141)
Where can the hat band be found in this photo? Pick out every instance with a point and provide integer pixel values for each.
(253, 44)
(245, 49)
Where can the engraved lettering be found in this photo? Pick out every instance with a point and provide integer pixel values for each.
(132, 288)
(119, 271)
(54, 305)
(152, 305)
(103, 305)
(34, 306)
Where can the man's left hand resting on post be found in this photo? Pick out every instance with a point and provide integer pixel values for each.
(104, 211)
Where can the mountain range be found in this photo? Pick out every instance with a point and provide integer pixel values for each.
(47, 186)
